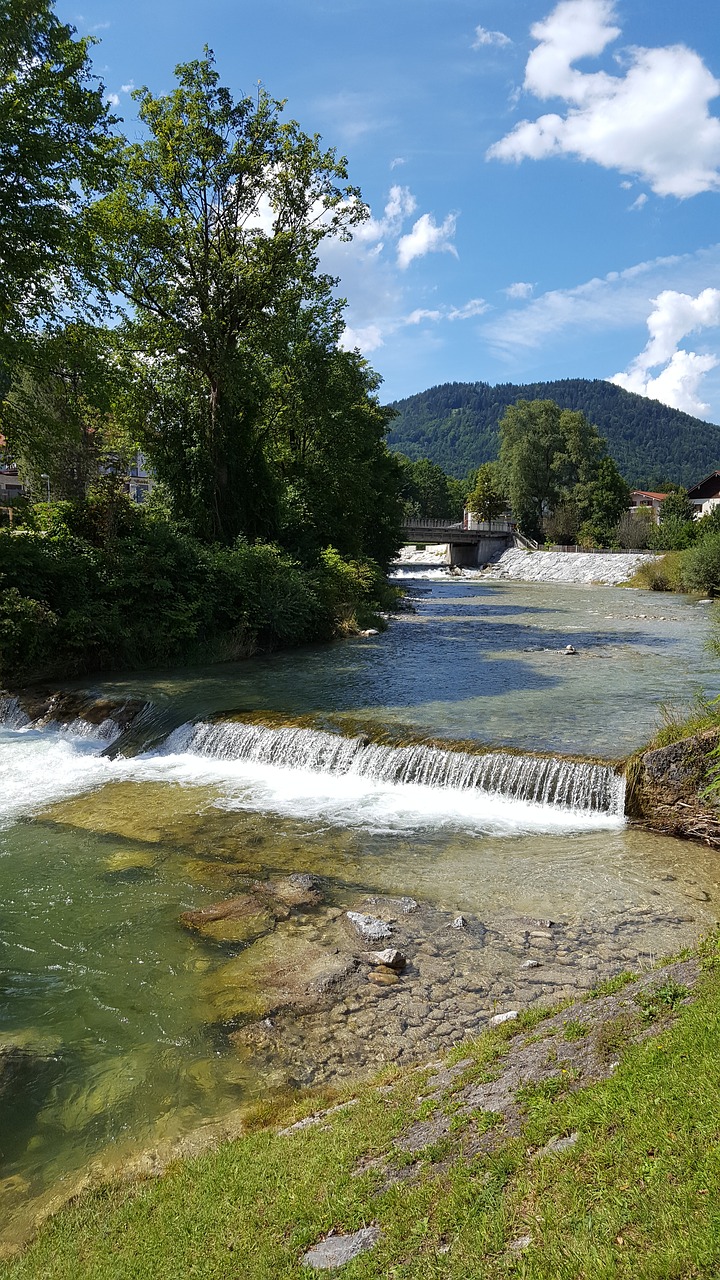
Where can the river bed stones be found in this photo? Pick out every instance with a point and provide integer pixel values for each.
(391, 958)
(361, 1013)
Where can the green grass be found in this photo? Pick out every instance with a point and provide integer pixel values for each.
(635, 1199)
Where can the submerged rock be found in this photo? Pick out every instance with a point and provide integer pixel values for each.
(241, 919)
(369, 927)
(251, 914)
(279, 971)
(24, 1061)
(383, 977)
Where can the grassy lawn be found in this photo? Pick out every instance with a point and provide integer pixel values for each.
(637, 1196)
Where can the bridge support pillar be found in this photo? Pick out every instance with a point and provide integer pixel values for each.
(472, 555)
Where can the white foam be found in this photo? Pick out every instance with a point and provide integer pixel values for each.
(40, 767)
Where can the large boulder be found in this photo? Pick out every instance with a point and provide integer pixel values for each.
(668, 789)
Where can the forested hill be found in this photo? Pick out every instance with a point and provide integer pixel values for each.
(456, 425)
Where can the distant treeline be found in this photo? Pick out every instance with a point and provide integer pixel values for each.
(456, 424)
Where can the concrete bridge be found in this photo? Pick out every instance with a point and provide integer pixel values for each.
(467, 547)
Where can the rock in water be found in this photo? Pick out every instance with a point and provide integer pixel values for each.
(335, 1251)
(383, 977)
(369, 927)
(280, 971)
(391, 958)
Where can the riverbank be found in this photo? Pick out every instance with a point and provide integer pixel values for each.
(176, 903)
(553, 1146)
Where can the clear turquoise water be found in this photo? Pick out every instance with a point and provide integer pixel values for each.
(99, 857)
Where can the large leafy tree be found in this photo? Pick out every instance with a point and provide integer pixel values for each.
(218, 218)
(553, 459)
(56, 149)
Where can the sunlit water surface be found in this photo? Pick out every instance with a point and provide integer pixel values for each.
(98, 857)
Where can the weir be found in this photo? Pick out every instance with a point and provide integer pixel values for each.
(566, 784)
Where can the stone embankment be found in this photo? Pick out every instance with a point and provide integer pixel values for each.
(603, 568)
(667, 789)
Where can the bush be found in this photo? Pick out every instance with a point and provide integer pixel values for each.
(76, 598)
(660, 575)
(701, 566)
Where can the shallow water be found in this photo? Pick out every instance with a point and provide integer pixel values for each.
(479, 660)
(98, 858)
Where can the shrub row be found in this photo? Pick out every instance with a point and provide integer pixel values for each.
(77, 596)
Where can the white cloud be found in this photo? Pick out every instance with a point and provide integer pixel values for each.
(675, 316)
(626, 186)
(113, 99)
(395, 164)
(653, 121)
(426, 237)
(475, 307)
(367, 339)
(619, 300)
(401, 204)
(641, 200)
(484, 37)
(383, 300)
(420, 314)
(521, 289)
(127, 88)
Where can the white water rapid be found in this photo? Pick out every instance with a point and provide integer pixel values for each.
(537, 780)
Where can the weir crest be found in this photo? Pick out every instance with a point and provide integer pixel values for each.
(566, 784)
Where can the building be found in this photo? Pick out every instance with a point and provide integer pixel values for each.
(11, 487)
(643, 499)
(705, 496)
(139, 481)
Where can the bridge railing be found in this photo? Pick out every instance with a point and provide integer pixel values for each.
(447, 526)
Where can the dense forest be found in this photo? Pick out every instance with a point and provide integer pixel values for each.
(456, 424)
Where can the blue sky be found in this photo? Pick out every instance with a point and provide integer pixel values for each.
(544, 179)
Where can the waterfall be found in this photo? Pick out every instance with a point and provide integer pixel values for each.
(12, 715)
(565, 784)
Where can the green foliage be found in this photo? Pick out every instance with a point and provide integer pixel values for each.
(660, 1001)
(55, 150)
(677, 507)
(634, 529)
(456, 425)
(660, 575)
(551, 458)
(58, 415)
(428, 493)
(247, 323)
(486, 499)
(573, 1029)
(672, 534)
(102, 585)
(701, 566)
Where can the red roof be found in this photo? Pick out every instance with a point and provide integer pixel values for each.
(645, 493)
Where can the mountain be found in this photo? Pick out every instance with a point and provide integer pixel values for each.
(456, 425)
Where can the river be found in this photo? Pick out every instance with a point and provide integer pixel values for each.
(135, 1030)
